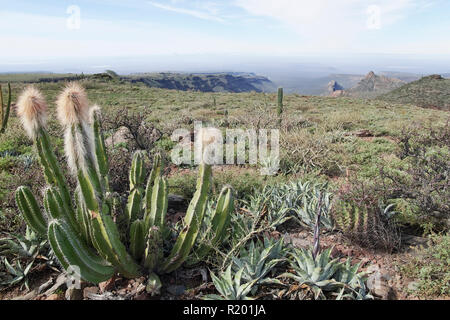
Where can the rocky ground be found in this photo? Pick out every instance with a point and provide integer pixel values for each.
(384, 280)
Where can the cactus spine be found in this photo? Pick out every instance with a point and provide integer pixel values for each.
(4, 115)
(86, 235)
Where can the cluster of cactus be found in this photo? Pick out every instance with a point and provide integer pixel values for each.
(4, 110)
(87, 235)
(369, 227)
(350, 219)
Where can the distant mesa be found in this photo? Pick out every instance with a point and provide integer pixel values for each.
(205, 82)
(435, 77)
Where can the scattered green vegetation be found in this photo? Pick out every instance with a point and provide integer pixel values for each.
(366, 160)
(431, 269)
(429, 92)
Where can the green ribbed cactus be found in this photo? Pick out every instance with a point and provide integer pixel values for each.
(219, 219)
(4, 111)
(280, 104)
(86, 236)
(280, 101)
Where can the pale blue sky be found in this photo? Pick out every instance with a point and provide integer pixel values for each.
(33, 30)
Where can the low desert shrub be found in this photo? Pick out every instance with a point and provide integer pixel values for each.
(430, 270)
(425, 183)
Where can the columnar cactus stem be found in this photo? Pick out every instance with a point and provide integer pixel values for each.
(137, 171)
(280, 103)
(153, 252)
(4, 116)
(53, 204)
(100, 148)
(106, 239)
(159, 204)
(220, 220)
(137, 239)
(137, 177)
(192, 221)
(83, 216)
(156, 172)
(72, 252)
(31, 213)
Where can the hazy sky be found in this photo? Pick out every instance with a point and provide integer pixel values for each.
(47, 29)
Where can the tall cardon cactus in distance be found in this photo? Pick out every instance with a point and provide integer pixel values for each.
(86, 235)
(280, 105)
(4, 110)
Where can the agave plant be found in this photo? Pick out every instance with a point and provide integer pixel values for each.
(323, 274)
(303, 201)
(295, 199)
(353, 282)
(26, 246)
(230, 288)
(307, 212)
(317, 273)
(259, 259)
(17, 273)
(86, 235)
(274, 208)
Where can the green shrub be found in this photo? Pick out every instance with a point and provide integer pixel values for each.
(431, 270)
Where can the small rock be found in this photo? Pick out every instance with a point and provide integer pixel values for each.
(347, 252)
(378, 284)
(142, 296)
(107, 285)
(176, 202)
(122, 135)
(122, 292)
(53, 297)
(90, 290)
(176, 290)
(413, 286)
(74, 294)
(140, 280)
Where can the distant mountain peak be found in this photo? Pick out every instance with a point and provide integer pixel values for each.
(370, 75)
(333, 86)
(372, 85)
